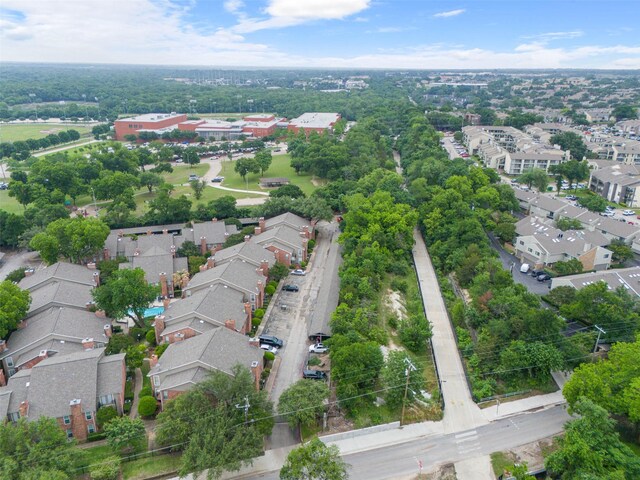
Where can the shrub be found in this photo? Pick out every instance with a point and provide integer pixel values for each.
(392, 321)
(274, 283)
(269, 356)
(414, 332)
(147, 406)
(107, 469)
(145, 392)
(311, 244)
(255, 322)
(160, 349)
(151, 337)
(105, 414)
(314, 361)
(259, 313)
(126, 408)
(16, 275)
(128, 390)
(399, 285)
(94, 437)
(137, 333)
(270, 290)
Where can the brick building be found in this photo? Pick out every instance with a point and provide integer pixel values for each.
(149, 121)
(314, 122)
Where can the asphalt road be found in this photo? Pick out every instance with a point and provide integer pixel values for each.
(291, 318)
(400, 461)
(22, 259)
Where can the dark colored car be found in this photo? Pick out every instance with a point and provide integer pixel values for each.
(535, 273)
(543, 277)
(314, 374)
(290, 288)
(271, 340)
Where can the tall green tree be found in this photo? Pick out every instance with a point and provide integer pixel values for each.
(570, 141)
(150, 180)
(535, 177)
(125, 433)
(198, 187)
(245, 166)
(263, 158)
(314, 461)
(14, 305)
(214, 434)
(39, 449)
(591, 448)
(191, 156)
(126, 294)
(303, 402)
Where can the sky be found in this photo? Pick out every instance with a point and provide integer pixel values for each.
(391, 34)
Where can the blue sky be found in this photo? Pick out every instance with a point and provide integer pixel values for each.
(404, 34)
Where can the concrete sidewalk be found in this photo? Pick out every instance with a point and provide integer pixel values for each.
(508, 409)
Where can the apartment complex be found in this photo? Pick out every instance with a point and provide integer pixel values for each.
(510, 150)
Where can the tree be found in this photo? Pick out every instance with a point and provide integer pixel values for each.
(191, 156)
(355, 368)
(244, 166)
(72, 238)
(568, 267)
(113, 184)
(594, 203)
(303, 402)
(188, 249)
(39, 449)
(263, 159)
(14, 305)
(573, 170)
(135, 356)
(621, 251)
(105, 414)
(125, 433)
(395, 374)
(314, 461)
(278, 271)
(147, 406)
(198, 187)
(570, 141)
(126, 294)
(291, 191)
(624, 111)
(414, 332)
(565, 223)
(591, 448)
(150, 180)
(214, 434)
(536, 177)
(130, 137)
(11, 227)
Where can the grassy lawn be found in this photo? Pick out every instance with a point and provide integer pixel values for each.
(70, 148)
(500, 461)
(181, 173)
(9, 204)
(92, 455)
(280, 167)
(15, 132)
(149, 466)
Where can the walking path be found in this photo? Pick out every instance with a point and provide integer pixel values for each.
(460, 412)
(136, 393)
(220, 187)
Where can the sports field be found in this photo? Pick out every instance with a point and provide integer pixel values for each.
(14, 132)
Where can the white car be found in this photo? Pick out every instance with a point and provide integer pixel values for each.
(318, 348)
(269, 348)
(298, 271)
(628, 212)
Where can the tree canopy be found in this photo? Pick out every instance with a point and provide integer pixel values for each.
(314, 461)
(14, 305)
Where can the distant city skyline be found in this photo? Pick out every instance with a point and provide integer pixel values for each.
(416, 34)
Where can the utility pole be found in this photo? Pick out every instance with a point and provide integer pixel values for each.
(245, 407)
(598, 339)
(410, 367)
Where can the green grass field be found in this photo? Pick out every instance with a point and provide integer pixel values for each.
(150, 466)
(280, 167)
(8, 203)
(14, 132)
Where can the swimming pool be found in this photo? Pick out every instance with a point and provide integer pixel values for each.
(151, 312)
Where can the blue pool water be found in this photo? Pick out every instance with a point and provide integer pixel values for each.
(153, 311)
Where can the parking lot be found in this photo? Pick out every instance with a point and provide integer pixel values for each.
(292, 314)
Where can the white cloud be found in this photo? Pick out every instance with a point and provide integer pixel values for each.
(288, 13)
(450, 13)
(233, 6)
(387, 30)
(549, 36)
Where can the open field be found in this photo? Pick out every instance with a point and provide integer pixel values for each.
(14, 132)
(8, 203)
(280, 167)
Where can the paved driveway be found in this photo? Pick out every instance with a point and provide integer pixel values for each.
(508, 259)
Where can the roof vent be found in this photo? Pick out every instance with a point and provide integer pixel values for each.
(254, 364)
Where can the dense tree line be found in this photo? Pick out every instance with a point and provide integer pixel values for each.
(22, 149)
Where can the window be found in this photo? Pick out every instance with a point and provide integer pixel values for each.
(88, 415)
(156, 380)
(9, 361)
(521, 242)
(12, 371)
(530, 250)
(165, 394)
(91, 428)
(13, 417)
(606, 255)
(69, 433)
(106, 400)
(66, 420)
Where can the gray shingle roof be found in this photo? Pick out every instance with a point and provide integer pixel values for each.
(211, 306)
(218, 349)
(236, 274)
(61, 293)
(58, 271)
(249, 251)
(288, 218)
(52, 325)
(214, 232)
(282, 236)
(50, 386)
